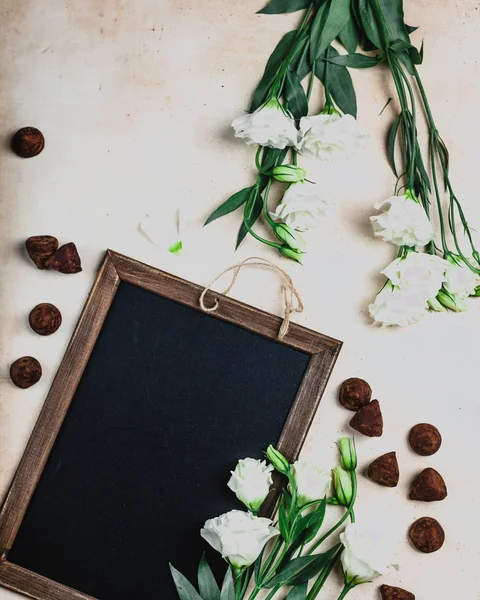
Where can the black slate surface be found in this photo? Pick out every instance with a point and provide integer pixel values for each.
(170, 400)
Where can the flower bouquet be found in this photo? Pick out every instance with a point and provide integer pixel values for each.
(263, 555)
(434, 270)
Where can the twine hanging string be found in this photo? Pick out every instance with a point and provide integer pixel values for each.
(292, 300)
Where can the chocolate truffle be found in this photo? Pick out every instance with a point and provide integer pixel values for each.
(65, 260)
(40, 248)
(384, 470)
(28, 142)
(425, 439)
(45, 319)
(395, 593)
(428, 486)
(25, 372)
(427, 535)
(368, 420)
(355, 394)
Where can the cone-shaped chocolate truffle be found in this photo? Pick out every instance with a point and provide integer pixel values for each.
(368, 420)
(395, 593)
(384, 470)
(65, 260)
(428, 486)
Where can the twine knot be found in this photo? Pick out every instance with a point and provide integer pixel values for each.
(292, 301)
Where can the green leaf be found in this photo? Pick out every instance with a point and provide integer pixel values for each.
(410, 29)
(283, 522)
(185, 589)
(301, 570)
(300, 62)
(277, 7)
(407, 61)
(416, 55)
(255, 211)
(176, 247)
(230, 205)
(329, 22)
(273, 65)
(228, 587)
(271, 158)
(350, 36)
(339, 83)
(355, 61)
(295, 95)
(400, 45)
(392, 139)
(316, 521)
(258, 565)
(207, 585)
(298, 593)
(421, 167)
(393, 14)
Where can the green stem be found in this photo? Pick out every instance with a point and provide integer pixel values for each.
(250, 230)
(310, 83)
(238, 586)
(413, 132)
(254, 593)
(328, 98)
(324, 575)
(437, 194)
(277, 84)
(273, 592)
(348, 587)
(257, 158)
(271, 558)
(272, 569)
(343, 519)
(266, 193)
(438, 145)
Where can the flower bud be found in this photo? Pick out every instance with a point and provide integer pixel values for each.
(289, 253)
(348, 453)
(435, 305)
(289, 236)
(289, 174)
(342, 482)
(454, 303)
(277, 459)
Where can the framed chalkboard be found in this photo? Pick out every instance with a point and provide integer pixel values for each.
(152, 405)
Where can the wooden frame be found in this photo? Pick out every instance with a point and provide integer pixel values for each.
(115, 269)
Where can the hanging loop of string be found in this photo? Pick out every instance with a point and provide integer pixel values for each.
(292, 301)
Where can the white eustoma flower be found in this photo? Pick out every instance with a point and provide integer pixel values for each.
(312, 481)
(239, 536)
(251, 482)
(363, 558)
(302, 207)
(270, 125)
(460, 282)
(394, 307)
(404, 223)
(329, 137)
(418, 274)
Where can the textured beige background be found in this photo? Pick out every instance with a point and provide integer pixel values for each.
(135, 100)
